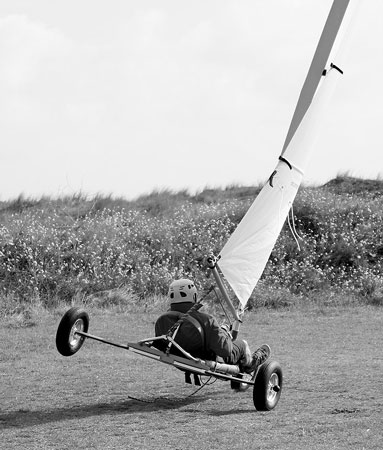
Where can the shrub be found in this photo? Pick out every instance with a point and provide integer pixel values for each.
(54, 250)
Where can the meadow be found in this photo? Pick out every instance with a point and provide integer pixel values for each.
(108, 398)
(318, 307)
(105, 252)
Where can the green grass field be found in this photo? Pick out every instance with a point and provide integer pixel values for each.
(108, 398)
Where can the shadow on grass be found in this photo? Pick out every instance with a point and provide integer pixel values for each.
(28, 418)
(219, 413)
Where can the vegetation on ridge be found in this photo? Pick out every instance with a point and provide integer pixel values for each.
(52, 250)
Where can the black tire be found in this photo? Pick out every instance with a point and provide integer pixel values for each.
(267, 386)
(67, 341)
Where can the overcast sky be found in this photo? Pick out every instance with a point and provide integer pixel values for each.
(123, 97)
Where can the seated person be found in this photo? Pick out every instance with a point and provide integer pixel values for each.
(204, 331)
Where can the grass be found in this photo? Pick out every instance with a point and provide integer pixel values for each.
(106, 398)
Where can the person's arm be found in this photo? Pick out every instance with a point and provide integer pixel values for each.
(218, 339)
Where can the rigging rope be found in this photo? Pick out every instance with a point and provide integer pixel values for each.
(292, 227)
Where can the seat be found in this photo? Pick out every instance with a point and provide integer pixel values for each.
(190, 335)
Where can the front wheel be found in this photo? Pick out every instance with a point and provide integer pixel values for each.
(267, 386)
(68, 342)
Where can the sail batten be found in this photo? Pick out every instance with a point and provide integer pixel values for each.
(244, 257)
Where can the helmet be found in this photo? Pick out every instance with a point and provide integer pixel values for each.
(181, 291)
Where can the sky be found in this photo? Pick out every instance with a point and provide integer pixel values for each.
(126, 97)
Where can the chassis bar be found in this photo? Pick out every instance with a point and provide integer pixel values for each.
(199, 367)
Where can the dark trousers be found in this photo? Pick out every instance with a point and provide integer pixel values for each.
(238, 353)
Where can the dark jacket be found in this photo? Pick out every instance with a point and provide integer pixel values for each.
(217, 341)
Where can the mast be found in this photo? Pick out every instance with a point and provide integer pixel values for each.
(318, 64)
(244, 256)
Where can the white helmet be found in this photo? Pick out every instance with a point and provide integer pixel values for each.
(181, 291)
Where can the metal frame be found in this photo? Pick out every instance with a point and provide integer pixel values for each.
(237, 314)
(187, 363)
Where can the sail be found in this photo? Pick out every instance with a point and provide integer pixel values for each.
(318, 63)
(244, 257)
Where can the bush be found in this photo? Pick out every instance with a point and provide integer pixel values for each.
(51, 251)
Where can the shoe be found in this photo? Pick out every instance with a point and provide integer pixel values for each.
(260, 355)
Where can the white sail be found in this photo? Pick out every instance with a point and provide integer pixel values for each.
(244, 257)
(314, 74)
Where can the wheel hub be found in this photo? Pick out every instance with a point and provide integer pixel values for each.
(273, 387)
(74, 338)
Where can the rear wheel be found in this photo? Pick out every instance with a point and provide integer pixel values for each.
(68, 342)
(267, 386)
(241, 387)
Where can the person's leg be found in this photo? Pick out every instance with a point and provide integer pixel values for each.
(240, 354)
